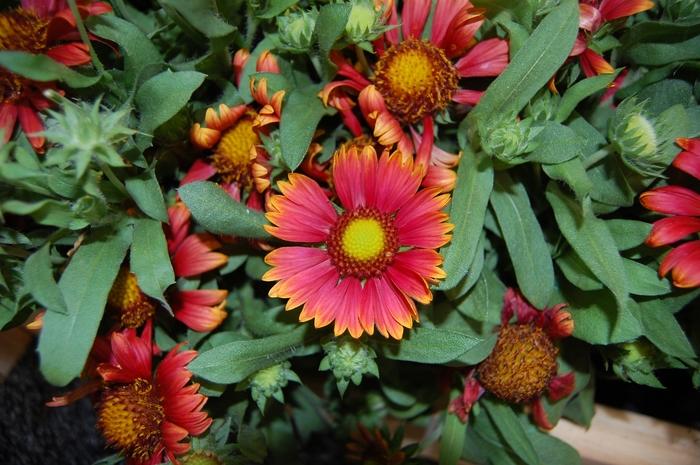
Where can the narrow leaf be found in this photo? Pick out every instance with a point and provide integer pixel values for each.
(507, 423)
(145, 191)
(300, 116)
(44, 69)
(453, 436)
(38, 278)
(150, 261)
(430, 345)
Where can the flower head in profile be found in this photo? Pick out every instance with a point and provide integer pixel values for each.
(190, 255)
(522, 367)
(365, 267)
(593, 15)
(42, 27)
(683, 204)
(148, 415)
(414, 79)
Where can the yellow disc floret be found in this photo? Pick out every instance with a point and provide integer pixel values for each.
(133, 306)
(23, 30)
(130, 416)
(521, 365)
(233, 156)
(416, 79)
(363, 239)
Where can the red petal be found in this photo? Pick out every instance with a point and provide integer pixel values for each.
(684, 260)
(487, 58)
(594, 64)
(540, 415)
(615, 9)
(70, 54)
(672, 200)
(32, 126)
(195, 255)
(8, 118)
(689, 162)
(562, 386)
(414, 15)
(199, 171)
(558, 322)
(669, 230)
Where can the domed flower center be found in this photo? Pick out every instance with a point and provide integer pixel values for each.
(363, 243)
(416, 79)
(233, 156)
(134, 307)
(521, 365)
(23, 30)
(130, 416)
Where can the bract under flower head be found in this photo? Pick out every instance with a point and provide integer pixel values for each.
(372, 261)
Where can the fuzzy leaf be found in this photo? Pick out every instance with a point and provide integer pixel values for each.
(581, 90)
(300, 115)
(44, 69)
(429, 345)
(217, 212)
(39, 280)
(507, 423)
(145, 191)
(330, 25)
(150, 261)
(65, 340)
(452, 438)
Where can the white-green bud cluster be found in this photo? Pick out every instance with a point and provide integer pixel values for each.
(639, 138)
(511, 138)
(269, 382)
(85, 132)
(349, 359)
(296, 30)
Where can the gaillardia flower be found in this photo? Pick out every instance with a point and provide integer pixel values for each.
(593, 14)
(523, 365)
(413, 78)
(41, 27)
(684, 204)
(147, 415)
(191, 255)
(362, 268)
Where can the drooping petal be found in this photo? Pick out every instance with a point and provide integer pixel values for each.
(557, 322)
(32, 126)
(672, 200)
(672, 229)
(615, 9)
(515, 303)
(462, 405)
(195, 255)
(487, 58)
(540, 415)
(561, 386)
(413, 16)
(8, 118)
(684, 264)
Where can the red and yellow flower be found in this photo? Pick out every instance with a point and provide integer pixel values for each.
(523, 365)
(413, 79)
(373, 260)
(42, 27)
(190, 255)
(148, 415)
(593, 14)
(683, 262)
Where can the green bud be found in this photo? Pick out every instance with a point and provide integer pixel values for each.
(365, 22)
(349, 359)
(510, 139)
(269, 382)
(543, 107)
(640, 139)
(201, 458)
(636, 361)
(296, 30)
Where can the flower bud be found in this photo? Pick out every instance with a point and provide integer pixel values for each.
(201, 458)
(510, 139)
(365, 23)
(349, 359)
(636, 361)
(296, 30)
(269, 382)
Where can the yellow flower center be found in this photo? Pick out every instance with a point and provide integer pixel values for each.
(521, 365)
(363, 243)
(363, 239)
(130, 416)
(233, 157)
(133, 306)
(21, 30)
(416, 79)
(201, 458)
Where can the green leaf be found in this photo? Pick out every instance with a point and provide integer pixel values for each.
(453, 436)
(581, 90)
(38, 278)
(162, 96)
(233, 362)
(201, 15)
(524, 239)
(150, 261)
(659, 54)
(138, 51)
(599, 320)
(65, 340)
(662, 329)
(628, 234)
(330, 25)
(551, 449)
(469, 202)
(535, 63)
(276, 8)
(555, 144)
(217, 212)
(577, 273)
(573, 173)
(429, 345)
(507, 423)
(300, 115)
(591, 239)
(644, 280)
(43, 69)
(145, 191)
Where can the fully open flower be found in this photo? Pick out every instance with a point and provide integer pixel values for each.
(190, 255)
(373, 260)
(523, 365)
(684, 205)
(593, 14)
(39, 27)
(413, 79)
(148, 415)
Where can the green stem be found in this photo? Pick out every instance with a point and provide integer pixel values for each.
(597, 156)
(112, 177)
(84, 36)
